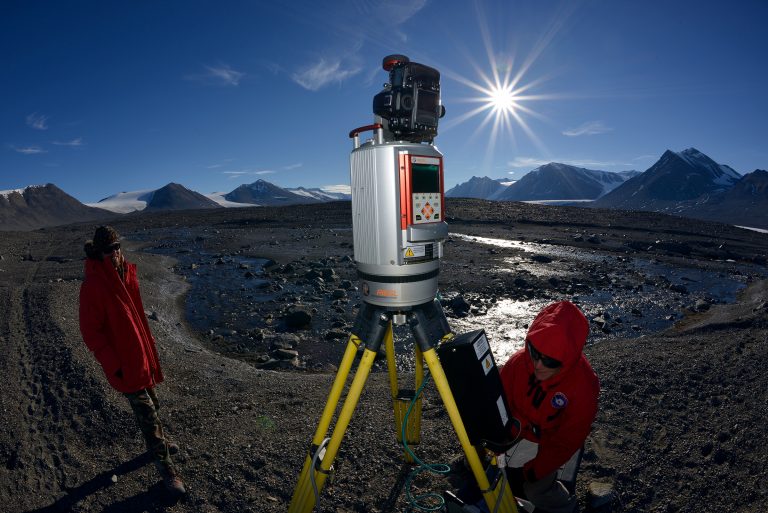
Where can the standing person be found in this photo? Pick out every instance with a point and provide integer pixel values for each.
(115, 329)
(552, 390)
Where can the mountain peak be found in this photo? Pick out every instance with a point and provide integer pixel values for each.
(675, 177)
(37, 206)
(692, 152)
(175, 196)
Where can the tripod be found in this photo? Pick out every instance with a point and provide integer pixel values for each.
(429, 327)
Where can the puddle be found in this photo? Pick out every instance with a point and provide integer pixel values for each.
(222, 286)
(630, 296)
(643, 296)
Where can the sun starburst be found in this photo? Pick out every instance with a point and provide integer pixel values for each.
(503, 93)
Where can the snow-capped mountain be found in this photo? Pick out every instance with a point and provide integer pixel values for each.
(38, 206)
(744, 204)
(263, 193)
(555, 181)
(170, 197)
(125, 202)
(551, 182)
(327, 193)
(260, 193)
(477, 187)
(674, 178)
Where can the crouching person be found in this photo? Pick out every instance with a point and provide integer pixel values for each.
(552, 390)
(115, 329)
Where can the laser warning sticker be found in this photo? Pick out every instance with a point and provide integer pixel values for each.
(415, 251)
(481, 347)
(487, 363)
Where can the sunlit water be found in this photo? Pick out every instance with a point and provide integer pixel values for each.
(226, 288)
(640, 310)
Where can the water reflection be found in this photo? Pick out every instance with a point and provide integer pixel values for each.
(506, 324)
(632, 295)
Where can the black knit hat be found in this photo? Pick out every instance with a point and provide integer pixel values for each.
(104, 237)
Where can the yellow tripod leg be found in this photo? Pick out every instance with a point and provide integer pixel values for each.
(491, 497)
(304, 499)
(304, 484)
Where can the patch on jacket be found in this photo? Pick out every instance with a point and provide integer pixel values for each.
(559, 400)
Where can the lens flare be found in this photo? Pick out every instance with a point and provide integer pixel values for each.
(504, 105)
(502, 100)
(503, 92)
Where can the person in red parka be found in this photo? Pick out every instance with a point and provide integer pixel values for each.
(552, 391)
(115, 328)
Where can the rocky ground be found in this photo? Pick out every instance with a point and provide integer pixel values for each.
(251, 309)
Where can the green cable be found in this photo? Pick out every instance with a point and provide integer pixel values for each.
(419, 502)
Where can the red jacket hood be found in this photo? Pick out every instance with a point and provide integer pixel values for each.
(560, 332)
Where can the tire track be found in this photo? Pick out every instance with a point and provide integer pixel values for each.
(51, 394)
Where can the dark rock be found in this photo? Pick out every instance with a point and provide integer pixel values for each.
(678, 288)
(701, 305)
(274, 364)
(338, 294)
(542, 259)
(460, 306)
(336, 334)
(298, 317)
(285, 354)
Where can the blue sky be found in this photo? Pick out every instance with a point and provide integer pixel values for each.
(101, 97)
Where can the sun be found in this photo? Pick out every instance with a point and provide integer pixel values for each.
(502, 94)
(502, 100)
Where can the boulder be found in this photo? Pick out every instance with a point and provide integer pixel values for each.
(298, 317)
(460, 306)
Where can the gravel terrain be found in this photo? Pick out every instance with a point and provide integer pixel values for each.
(251, 308)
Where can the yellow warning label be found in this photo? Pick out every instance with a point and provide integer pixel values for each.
(414, 251)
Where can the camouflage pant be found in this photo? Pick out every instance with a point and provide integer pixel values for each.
(145, 405)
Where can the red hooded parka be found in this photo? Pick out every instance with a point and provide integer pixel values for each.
(556, 413)
(115, 328)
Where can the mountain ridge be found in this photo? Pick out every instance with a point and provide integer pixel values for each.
(38, 206)
(687, 183)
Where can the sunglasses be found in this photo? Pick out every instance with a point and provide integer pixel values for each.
(112, 248)
(546, 361)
